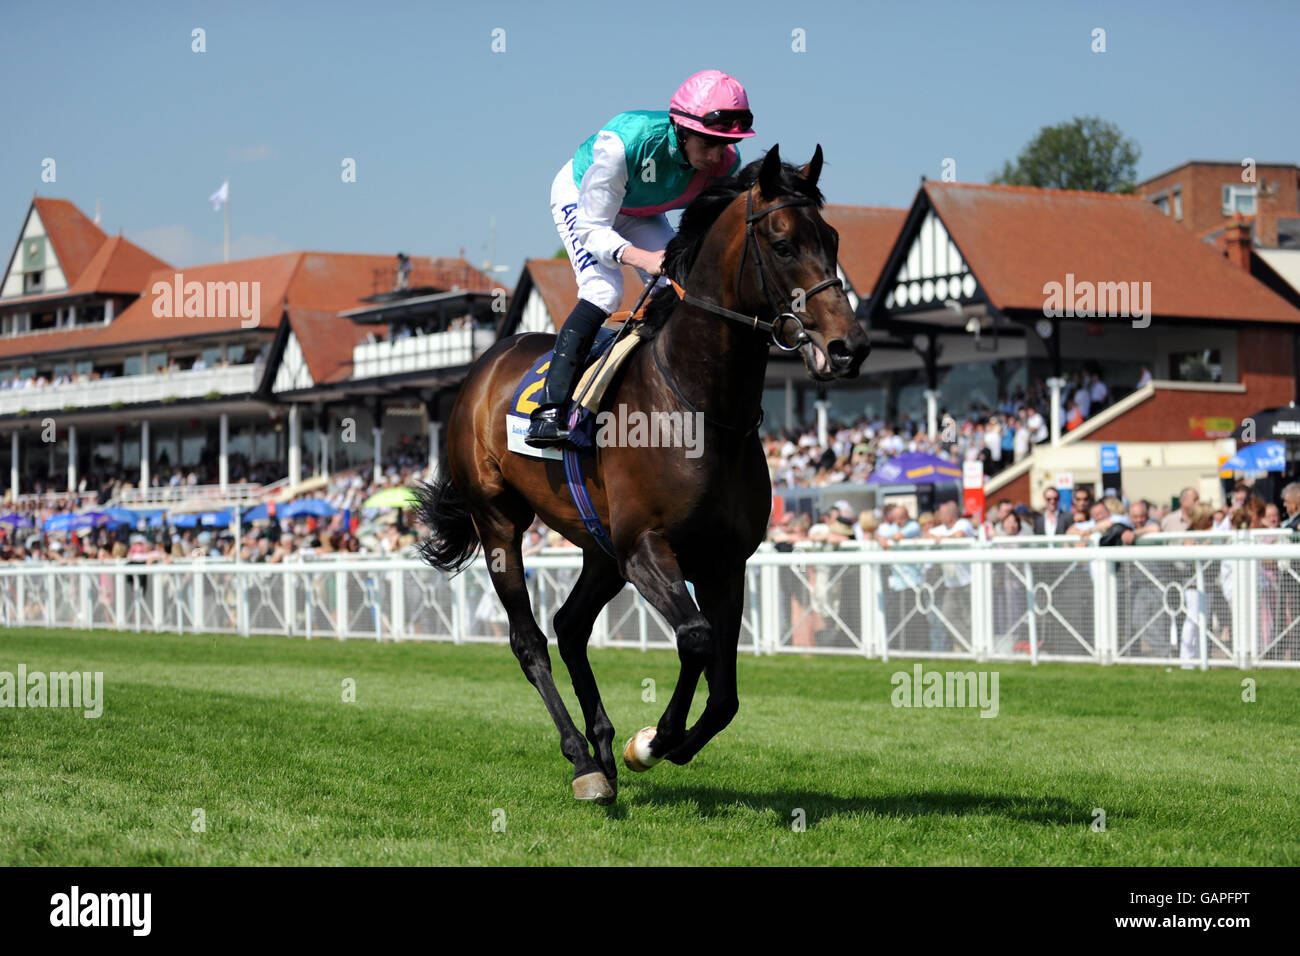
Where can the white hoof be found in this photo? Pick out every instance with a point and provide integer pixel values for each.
(637, 752)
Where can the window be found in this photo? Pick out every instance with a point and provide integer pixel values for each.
(1239, 199)
(212, 356)
(1178, 204)
(33, 282)
(1163, 204)
(85, 368)
(155, 361)
(91, 315)
(1202, 365)
(132, 365)
(235, 354)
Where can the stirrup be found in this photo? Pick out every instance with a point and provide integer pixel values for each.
(546, 428)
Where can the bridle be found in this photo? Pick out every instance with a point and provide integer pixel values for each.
(775, 328)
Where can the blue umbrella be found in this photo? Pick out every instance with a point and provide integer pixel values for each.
(207, 519)
(256, 513)
(122, 516)
(915, 468)
(1258, 457)
(308, 506)
(71, 522)
(15, 520)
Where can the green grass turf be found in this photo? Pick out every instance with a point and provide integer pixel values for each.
(255, 732)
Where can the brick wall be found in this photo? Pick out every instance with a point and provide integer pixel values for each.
(1202, 189)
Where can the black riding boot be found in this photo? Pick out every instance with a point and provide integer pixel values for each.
(548, 425)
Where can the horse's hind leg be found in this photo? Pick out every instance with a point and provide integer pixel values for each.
(501, 535)
(597, 585)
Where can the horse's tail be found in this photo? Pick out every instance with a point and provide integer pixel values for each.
(452, 540)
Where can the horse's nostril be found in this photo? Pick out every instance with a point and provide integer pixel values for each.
(840, 352)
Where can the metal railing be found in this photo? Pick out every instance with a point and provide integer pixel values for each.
(1197, 606)
(417, 352)
(132, 389)
(174, 494)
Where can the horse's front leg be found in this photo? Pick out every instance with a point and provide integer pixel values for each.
(653, 569)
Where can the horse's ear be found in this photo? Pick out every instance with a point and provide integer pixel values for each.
(813, 171)
(769, 177)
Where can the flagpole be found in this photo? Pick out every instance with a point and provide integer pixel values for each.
(226, 206)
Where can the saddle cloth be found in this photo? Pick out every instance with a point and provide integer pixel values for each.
(591, 388)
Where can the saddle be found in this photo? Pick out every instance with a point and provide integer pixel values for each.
(608, 352)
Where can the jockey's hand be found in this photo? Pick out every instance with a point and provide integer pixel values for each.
(649, 262)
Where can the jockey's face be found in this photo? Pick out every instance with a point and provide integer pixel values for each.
(704, 152)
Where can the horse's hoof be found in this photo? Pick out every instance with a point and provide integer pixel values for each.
(593, 786)
(637, 752)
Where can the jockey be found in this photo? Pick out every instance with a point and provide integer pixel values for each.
(609, 201)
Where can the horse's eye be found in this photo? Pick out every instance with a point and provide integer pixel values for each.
(783, 248)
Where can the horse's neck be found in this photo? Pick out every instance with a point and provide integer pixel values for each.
(717, 365)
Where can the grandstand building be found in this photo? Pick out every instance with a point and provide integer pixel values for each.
(114, 362)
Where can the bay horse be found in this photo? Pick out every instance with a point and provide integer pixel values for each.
(672, 518)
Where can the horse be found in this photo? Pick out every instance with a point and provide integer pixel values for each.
(672, 517)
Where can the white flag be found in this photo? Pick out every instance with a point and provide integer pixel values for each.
(220, 196)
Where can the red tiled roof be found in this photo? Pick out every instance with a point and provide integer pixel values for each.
(1017, 238)
(327, 342)
(315, 285)
(867, 235)
(113, 265)
(74, 237)
(119, 266)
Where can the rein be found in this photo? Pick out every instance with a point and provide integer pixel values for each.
(773, 328)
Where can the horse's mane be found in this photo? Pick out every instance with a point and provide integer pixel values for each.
(698, 218)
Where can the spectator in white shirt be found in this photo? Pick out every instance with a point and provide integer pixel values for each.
(955, 606)
(1038, 431)
(1099, 393)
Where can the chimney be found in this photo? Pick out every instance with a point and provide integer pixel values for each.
(1237, 243)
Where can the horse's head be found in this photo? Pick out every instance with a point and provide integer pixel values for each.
(797, 254)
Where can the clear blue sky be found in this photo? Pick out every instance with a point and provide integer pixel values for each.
(448, 134)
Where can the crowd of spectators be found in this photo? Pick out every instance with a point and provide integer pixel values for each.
(1087, 521)
(998, 436)
(352, 528)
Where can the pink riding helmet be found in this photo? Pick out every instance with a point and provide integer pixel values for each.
(713, 103)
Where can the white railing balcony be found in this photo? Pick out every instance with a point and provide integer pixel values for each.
(172, 494)
(418, 352)
(132, 389)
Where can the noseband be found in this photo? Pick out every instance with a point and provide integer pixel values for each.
(776, 326)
